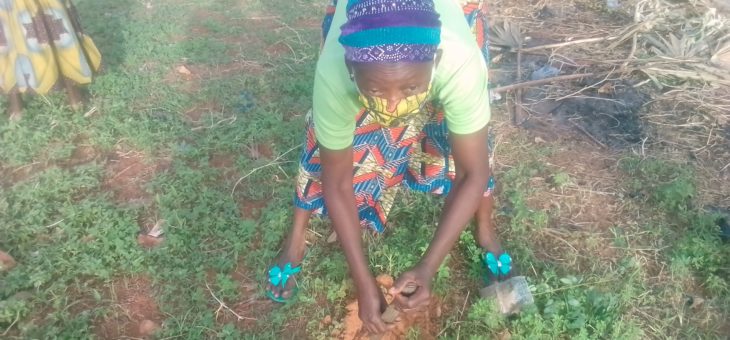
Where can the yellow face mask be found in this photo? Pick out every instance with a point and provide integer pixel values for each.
(408, 106)
(378, 107)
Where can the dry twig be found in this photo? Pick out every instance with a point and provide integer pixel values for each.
(519, 112)
(567, 43)
(508, 88)
(274, 162)
(222, 305)
(588, 134)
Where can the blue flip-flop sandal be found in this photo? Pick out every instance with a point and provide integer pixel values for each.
(499, 267)
(511, 292)
(278, 277)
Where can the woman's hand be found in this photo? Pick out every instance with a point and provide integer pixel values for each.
(372, 304)
(412, 289)
(472, 174)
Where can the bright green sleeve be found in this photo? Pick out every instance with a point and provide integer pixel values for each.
(333, 111)
(334, 102)
(465, 95)
(461, 74)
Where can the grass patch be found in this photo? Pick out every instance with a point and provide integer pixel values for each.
(252, 67)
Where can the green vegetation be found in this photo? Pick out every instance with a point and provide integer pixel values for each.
(70, 219)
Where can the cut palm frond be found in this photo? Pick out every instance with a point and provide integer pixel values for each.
(506, 35)
(683, 47)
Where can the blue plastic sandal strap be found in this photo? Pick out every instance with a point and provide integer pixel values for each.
(505, 264)
(501, 265)
(492, 263)
(279, 276)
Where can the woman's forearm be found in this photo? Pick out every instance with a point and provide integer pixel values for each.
(339, 199)
(460, 207)
(342, 212)
(471, 156)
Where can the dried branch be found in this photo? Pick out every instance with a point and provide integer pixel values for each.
(222, 305)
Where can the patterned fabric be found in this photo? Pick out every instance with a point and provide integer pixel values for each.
(391, 53)
(327, 21)
(475, 12)
(415, 154)
(391, 31)
(41, 41)
(381, 160)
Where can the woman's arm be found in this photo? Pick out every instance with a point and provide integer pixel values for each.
(471, 156)
(339, 199)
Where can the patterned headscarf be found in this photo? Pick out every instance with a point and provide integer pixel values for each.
(391, 31)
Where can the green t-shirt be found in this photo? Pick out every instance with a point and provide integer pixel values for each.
(460, 83)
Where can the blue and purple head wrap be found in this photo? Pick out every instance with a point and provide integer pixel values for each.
(391, 31)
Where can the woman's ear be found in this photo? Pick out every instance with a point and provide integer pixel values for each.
(436, 60)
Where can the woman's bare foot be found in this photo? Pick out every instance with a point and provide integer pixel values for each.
(292, 252)
(487, 238)
(485, 233)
